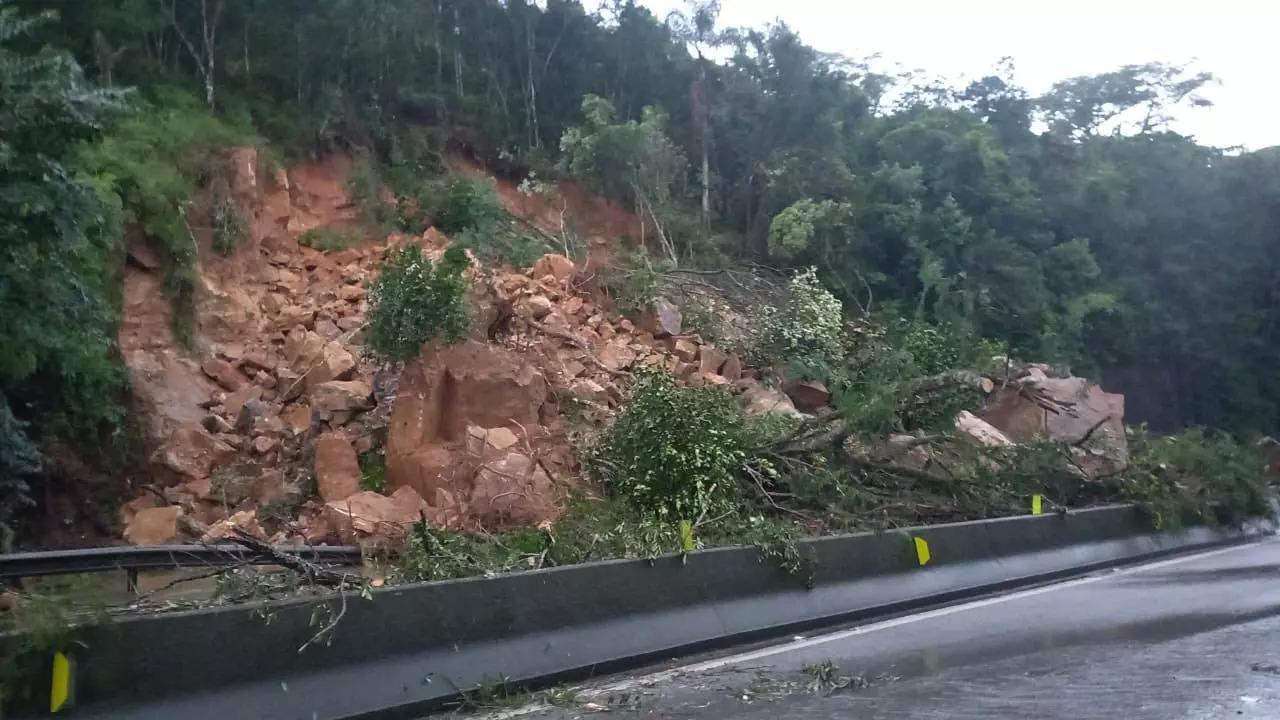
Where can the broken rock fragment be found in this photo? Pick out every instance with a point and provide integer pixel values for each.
(338, 471)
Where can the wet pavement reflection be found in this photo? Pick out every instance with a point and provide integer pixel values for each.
(1191, 639)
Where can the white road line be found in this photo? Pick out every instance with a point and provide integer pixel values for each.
(702, 667)
(940, 612)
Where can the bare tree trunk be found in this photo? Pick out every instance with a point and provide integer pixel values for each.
(439, 48)
(205, 57)
(704, 111)
(532, 95)
(457, 52)
(297, 39)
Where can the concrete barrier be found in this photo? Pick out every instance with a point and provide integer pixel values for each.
(412, 647)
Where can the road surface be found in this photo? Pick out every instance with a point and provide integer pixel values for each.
(1193, 637)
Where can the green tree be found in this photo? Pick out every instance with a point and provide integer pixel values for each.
(59, 369)
(635, 158)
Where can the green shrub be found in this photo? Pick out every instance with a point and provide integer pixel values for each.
(938, 347)
(364, 187)
(810, 324)
(674, 451)
(499, 245)
(452, 205)
(373, 468)
(330, 239)
(414, 301)
(155, 159)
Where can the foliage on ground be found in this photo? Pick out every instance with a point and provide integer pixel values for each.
(1197, 473)
(414, 301)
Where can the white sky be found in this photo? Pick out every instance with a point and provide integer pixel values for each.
(1233, 39)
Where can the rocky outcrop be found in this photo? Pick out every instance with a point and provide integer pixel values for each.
(370, 514)
(808, 396)
(1037, 406)
(190, 453)
(454, 405)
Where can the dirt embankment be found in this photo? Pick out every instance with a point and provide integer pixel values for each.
(274, 421)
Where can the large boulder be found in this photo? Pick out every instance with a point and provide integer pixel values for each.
(662, 319)
(558, 267)
(367, 513)
(809, 396)
(154, 526)
(335, 363)
(1064, 409)
(338, 396)
(338, 471)
(190, 453)
(512, 489)
(757, 399)
(1271, 450)
(448, 389)
(980, 430)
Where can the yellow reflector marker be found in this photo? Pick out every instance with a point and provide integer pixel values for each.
(60, 693)
(922, 551)
(686, 536)
(1036, 505)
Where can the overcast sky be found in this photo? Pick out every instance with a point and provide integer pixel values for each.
(1233, 39)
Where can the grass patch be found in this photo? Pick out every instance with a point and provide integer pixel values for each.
(152, 164)
(330, 239)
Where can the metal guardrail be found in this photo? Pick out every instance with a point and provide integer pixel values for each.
(160, 557)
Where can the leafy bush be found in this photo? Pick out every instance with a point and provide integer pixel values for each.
(60, 373)
(452, 205)
(373, 468)
(674, 451)
(329, 239)
(1193, 472)
(939, 347)
(502, 246)
(793, 230)
(155, 159)
(364, 187)
(810, 324)
(414, 301)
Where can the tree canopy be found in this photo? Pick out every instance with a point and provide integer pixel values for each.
(1073, 227)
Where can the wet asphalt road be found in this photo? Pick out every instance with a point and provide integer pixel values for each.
(1194, 637)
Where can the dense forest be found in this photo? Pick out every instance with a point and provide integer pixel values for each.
(1073, 227)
